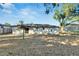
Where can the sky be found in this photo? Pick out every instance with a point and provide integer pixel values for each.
(28, 12)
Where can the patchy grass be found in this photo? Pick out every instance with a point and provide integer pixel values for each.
(41, 45)
(75, 32)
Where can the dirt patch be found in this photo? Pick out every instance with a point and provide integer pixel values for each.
(41, 45)
(7, 45)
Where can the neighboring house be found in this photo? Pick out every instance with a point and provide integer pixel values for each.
(5, 29)
(72, 27)
(1, 28)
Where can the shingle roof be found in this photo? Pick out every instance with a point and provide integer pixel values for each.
(34, 26)
(74, 25)
(41, 25)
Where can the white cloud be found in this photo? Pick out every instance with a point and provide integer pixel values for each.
(27, 13)
(6, 11)
(7, 7)
(24, 12)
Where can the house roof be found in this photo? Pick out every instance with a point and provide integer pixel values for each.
(40, 26)
(33, 26)
(2, 25)
(74, 25)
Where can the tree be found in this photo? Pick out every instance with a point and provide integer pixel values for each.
(22, 24)
(50, 7)
(66, 15)
(7, 24)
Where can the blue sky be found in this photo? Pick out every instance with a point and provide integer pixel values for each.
(28, 12)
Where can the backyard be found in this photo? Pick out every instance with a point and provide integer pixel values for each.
(39, 45)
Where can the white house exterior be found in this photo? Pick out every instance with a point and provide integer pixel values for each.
(35, 29)
(16, 30)
(5, 29)
(72, 27)
(43, 31)
(28, 29)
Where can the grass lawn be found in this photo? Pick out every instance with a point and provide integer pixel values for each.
(75, 32)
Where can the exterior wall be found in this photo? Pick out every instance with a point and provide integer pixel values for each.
(16, 31)
(1, 30)
(39, 31)
(5, 30)
(72, 28)
(43, 31)
(31, 32)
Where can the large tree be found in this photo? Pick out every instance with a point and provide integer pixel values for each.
(65, 14)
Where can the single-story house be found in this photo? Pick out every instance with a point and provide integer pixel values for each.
(35, 29)
(5, 29)
(72, 27)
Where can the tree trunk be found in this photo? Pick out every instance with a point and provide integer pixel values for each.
(62, 29)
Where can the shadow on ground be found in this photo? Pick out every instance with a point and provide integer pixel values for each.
(41, 45)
